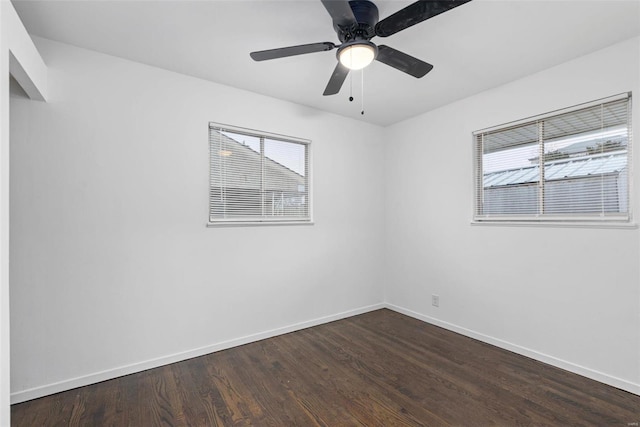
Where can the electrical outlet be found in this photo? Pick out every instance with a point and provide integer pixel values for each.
(435, 300)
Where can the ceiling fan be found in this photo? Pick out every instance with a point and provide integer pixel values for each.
(356, 23)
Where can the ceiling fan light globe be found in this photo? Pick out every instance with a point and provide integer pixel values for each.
(357, 56)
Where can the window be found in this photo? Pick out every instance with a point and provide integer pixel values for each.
(569, 165)
(257, 177)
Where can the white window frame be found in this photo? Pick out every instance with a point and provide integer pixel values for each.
(262, 220)
(619, 220)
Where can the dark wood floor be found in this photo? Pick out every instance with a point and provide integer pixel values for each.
(376, 369)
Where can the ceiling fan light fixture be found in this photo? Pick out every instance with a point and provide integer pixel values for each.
(358, 55)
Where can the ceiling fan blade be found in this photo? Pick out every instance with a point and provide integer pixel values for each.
(414, 14)
(403, 62)
(338, 77)
(291, 51)
(340, 12)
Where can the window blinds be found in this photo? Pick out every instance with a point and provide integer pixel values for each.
(257, 177)
(570, 165)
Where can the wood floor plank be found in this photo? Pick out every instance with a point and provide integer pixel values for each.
(377, 369)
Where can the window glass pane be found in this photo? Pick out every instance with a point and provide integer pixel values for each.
(285, 178)
(511, 171)
(587, 172)
(235, 176)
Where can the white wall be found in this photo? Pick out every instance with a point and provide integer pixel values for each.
(4, 222)
(113, 269)
(18, 57)
(569, 296)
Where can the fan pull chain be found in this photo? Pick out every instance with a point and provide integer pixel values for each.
(351, 78)
(362, 89)
(350, 87)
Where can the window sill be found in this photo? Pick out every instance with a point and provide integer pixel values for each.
(255, 223)
(559, 224)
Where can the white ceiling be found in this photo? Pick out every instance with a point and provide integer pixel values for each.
(477, 46)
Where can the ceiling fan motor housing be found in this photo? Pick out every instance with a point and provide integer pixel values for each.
(366, 14)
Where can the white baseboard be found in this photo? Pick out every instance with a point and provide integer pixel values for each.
(45, 390)
(559, 363)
